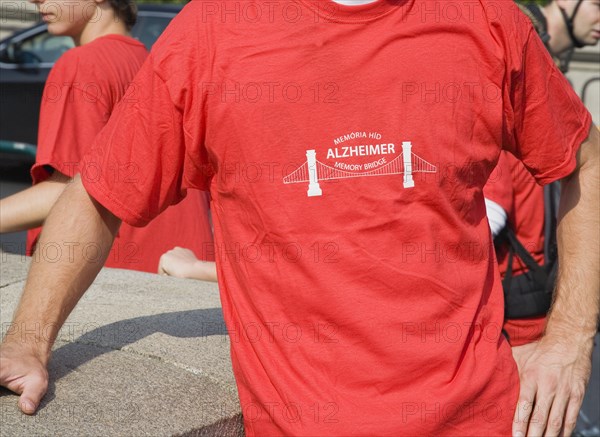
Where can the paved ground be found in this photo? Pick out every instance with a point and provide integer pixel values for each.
(151, 360)
(140, 355)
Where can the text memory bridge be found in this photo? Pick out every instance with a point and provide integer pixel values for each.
(313, 171)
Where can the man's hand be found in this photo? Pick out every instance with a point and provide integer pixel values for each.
(522, 353)
(182, 263)
(23, 372)
(554, 373)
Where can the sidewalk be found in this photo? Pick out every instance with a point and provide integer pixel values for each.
(140, 355)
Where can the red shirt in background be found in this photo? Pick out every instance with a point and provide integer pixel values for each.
(523, 200)
(80, 94)
(346, 150)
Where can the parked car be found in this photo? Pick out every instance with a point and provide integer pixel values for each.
(26, 58)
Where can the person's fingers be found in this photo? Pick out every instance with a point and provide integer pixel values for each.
(540, 413)
(161, 264)
(574, 405)
(24, 373)
(557, 414)
(524, 407)
(34, 390)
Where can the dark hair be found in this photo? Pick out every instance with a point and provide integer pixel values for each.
(125, 10)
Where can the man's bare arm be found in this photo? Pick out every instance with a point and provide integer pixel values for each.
(554, 377)
(578, 288)
(53, 289)
(29, 208)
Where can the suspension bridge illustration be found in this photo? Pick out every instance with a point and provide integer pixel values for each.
(313, 171)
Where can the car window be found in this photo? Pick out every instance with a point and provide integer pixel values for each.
(148, 29)
(43, 47)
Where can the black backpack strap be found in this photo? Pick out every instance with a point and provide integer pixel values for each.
(530, 294)
(525, 295)
(506, 282)
(539, 273)
(551, 201)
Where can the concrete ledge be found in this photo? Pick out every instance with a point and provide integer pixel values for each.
(141, 354)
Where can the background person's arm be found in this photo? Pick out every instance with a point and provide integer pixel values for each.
(29, 208)
(52, 290)
(182, 263)
(555, 375)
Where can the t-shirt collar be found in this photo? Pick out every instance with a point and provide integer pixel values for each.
(332, 11)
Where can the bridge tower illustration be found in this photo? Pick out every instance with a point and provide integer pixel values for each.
(313, 170)
(314, 189)
(407, 161)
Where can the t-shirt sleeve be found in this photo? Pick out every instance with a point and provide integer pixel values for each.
(545, 121)
(152, 149)
(70, 118)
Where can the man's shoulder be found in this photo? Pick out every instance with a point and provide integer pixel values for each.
(67, 65)
(91, 52)
(508, 25)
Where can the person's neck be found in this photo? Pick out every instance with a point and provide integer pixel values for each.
(354, 2)
(560, 41)
(107, 24)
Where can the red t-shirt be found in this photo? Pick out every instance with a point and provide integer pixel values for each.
(346, 150)
(499, 186)
(80, 94)
(523, 200)
(517, 192)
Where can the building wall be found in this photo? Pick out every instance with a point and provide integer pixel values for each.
(15, 15)
(584, 75)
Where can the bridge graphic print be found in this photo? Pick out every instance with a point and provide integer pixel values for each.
(313, 170)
